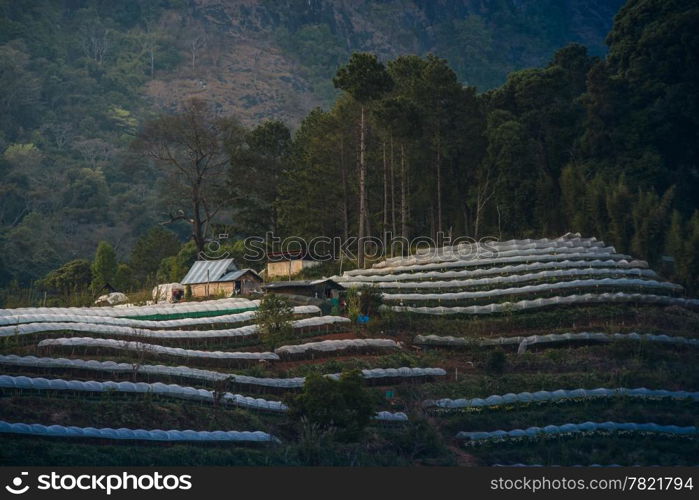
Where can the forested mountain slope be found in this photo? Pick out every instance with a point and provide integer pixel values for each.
(577, 143)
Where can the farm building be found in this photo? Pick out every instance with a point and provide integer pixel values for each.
(287, 264)
(168, 292)
(320, 289)
(220, 277)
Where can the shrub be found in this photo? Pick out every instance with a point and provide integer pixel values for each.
(495, 363)
(72, 276)
(365, 301)
(353, 306)
(342, 407)
(274, 320)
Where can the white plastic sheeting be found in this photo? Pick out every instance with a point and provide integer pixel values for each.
(559, 395)
(371, 374)
(387, 416)
(568, 240)
(141, 323)
(112, 299)
(112, 367)
(591, 298)
(136, 434)
(204, 375)
(553, 338)
(490, 262)
(135, 311)
(543, 287)
(613, 265)
(466, 253)
(155, 349)
(496, 280)
(166, 390)
(125, 331)
(576, 428)
(337, 345)
(403, 372)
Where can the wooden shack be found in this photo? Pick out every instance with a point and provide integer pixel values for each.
(221, 277)
(288, 264)
(319, 289)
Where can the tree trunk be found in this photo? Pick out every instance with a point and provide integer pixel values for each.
(403, 195)
(439, 189)
(464, 212)
(385, 198)
(345, 191)
(152, 62)
(393, 193)
(197, 226)
(362, 193)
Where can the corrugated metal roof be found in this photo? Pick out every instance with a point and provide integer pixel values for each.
(203, 271)
(302, 283)
(234, 275)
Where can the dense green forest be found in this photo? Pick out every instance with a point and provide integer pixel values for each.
(605, 145)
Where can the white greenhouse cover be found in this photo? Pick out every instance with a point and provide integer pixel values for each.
(562, 394)
(337, 345)
(120, 312)
(567, 240)
(553, 338)
(125, 331)
(112, 298)
(199, 374)
(403, 372)
(167, 390)
(155, 349)
(136, 434)
(588, 255)
(544, 287)
(591, 298)
(142, 323)
(465, 253)
(612, 265)
(387, 416)
(496, 280)
(576, 428)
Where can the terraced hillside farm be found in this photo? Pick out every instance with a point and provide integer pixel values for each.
(552, 351)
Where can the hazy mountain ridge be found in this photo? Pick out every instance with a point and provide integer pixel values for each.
(267, 59)
(80, 77)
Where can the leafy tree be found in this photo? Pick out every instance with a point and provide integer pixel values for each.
(316, 192)
(173, 269)
(72, 276)
(642, 100)
(343, 406)
(366, 80)
(619, 200)
(29, 249)
(256, 174)
(86, 199)
(150, 249)
(21, 88)
(651, 218)
(273, 318)
(104, 267)
(123, 278)
(676, 234)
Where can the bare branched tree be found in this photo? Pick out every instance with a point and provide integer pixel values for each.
(195, 44)
(190, 149)
(95, 41)
(94, 151)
